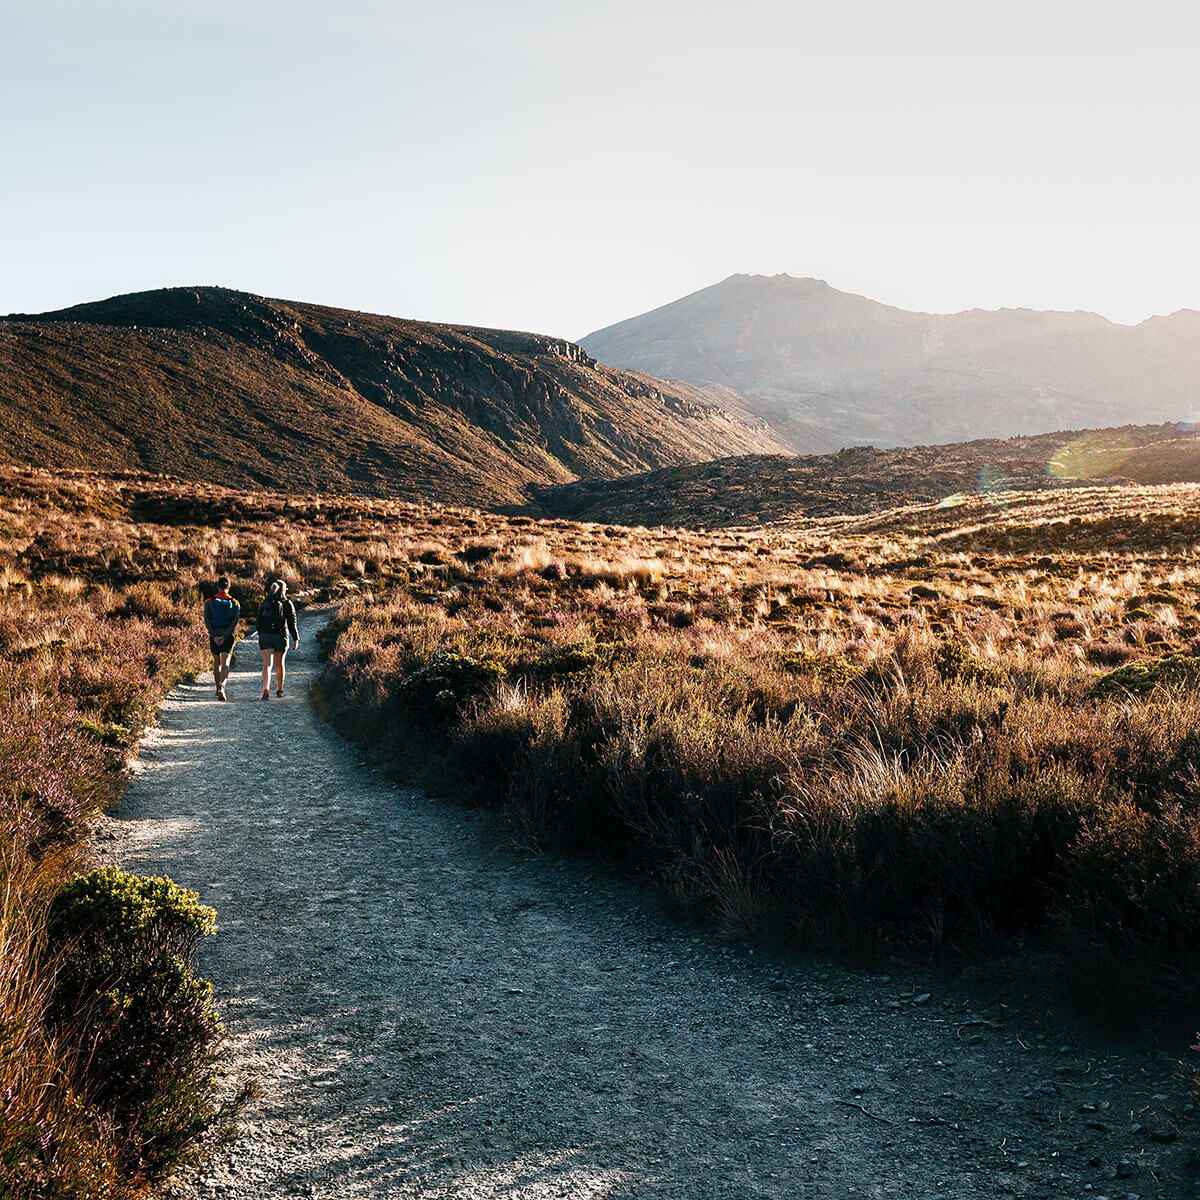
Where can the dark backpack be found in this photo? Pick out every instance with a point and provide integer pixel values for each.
(271, 616)
(221, 612)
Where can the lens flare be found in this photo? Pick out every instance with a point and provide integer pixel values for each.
(953, 501)
(1092, 456)
(993, 483)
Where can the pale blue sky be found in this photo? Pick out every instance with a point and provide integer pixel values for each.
(561, 166)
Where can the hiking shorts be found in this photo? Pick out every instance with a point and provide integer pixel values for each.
(225, 647)
(273, 641)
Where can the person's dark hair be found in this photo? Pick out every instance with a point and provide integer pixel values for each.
(277, 587)
(223, 584)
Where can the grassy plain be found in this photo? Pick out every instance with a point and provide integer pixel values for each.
(916, 728)
(922, 727)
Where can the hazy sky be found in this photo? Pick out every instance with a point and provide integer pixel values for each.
(559, 166)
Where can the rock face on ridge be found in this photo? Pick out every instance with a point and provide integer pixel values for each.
(828, 369)
(207, 383)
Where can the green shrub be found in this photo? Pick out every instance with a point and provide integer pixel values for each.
(1138, 678)
(828, 668)
(957, 661)
(570, 662)
(443, 686)
(126, 945)
(109, 733)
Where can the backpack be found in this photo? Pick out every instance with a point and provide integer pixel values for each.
(271, 617)
(221, 612)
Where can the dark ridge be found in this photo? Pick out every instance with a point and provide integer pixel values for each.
(766, 489)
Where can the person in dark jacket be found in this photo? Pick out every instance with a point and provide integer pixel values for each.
(276, 620)
(221, 614)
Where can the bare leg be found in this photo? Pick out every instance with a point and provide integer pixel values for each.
(224, 668)
(280, 669)
(266, 671)
(217, 671)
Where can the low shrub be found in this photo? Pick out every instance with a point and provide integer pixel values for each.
(441, 687)
(956, 660)
(1135, 883)
(125, 945)
(1141, 677)
(829, 668)
(568, 662)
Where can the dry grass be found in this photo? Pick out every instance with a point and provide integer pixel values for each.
(897, 727)
(886, 727)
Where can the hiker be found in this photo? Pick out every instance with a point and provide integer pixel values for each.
(276, 619)
(221, 613)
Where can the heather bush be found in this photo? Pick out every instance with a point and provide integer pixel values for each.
(125, 946)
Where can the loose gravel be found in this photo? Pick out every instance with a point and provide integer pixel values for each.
(430, 1016)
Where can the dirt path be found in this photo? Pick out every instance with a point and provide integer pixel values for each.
(429, 1017)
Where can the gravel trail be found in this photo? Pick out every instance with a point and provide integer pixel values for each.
(430, 1017)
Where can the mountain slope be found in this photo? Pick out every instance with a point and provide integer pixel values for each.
(827, 369)
(246, 391)
(765, 489)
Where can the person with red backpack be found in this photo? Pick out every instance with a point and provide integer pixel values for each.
(221, 614)
(276, 619)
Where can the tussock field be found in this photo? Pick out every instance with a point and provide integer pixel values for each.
(924, 727)
(920, 728)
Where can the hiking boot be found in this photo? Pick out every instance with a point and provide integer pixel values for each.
(221, 694)
(279, 691)
(266, 693)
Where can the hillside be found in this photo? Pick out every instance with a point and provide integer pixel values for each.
(764, 489)
(206, 383)
(827, 369)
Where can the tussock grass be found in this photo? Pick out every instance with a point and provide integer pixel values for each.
(896, 729)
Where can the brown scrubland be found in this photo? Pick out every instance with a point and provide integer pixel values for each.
(921, 729)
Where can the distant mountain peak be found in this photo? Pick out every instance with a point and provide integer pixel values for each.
(827, 368)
